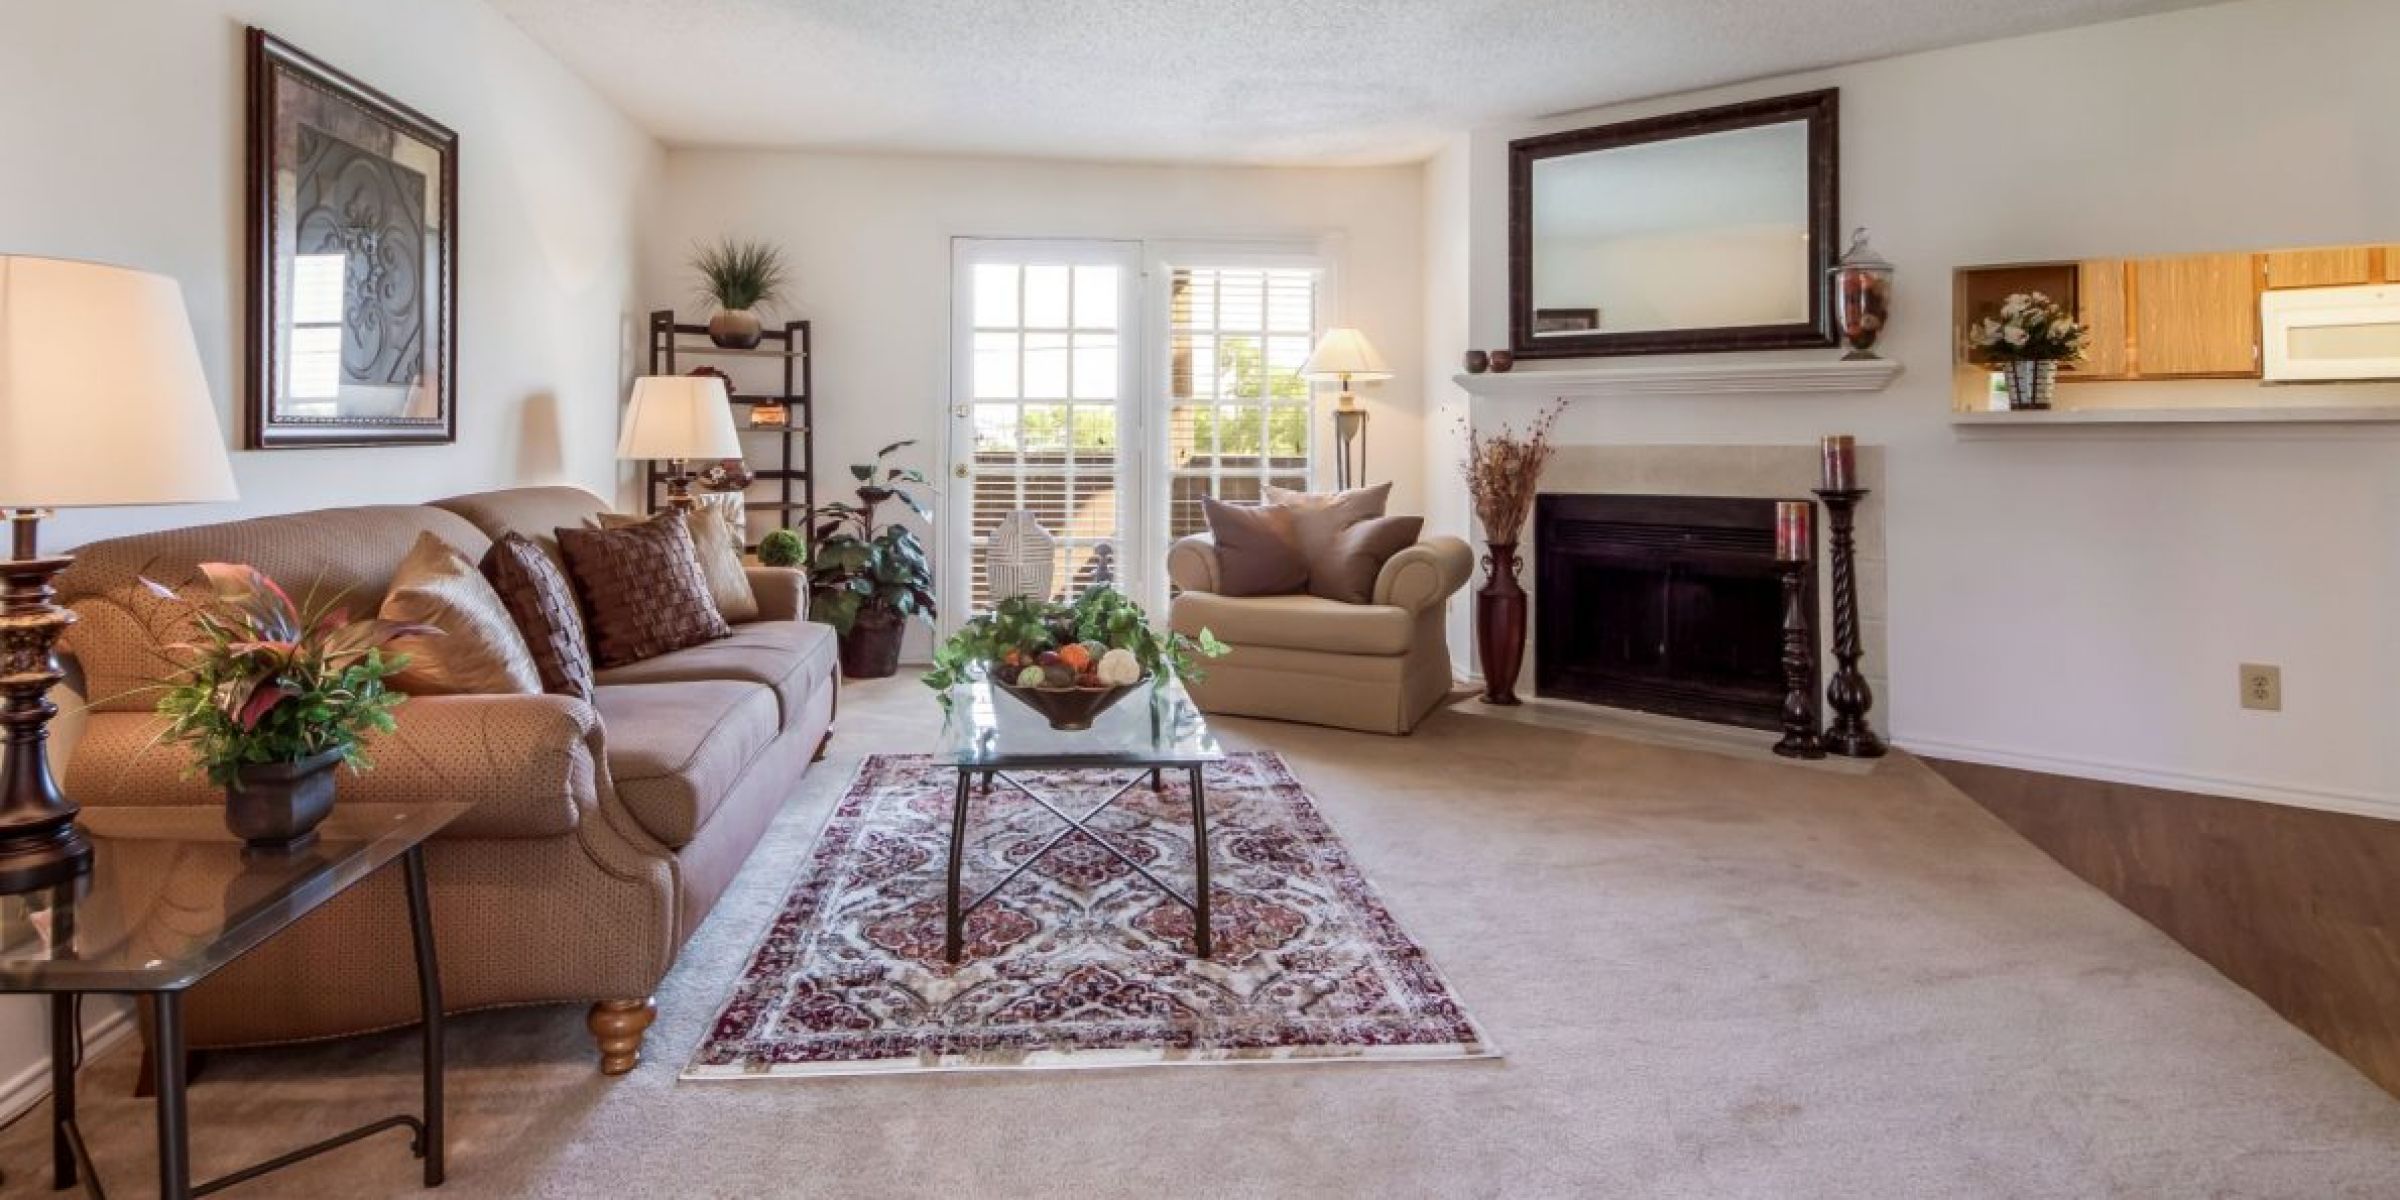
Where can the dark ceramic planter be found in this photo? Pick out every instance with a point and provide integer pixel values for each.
(277, 806)
(871, 650)
(735, 329)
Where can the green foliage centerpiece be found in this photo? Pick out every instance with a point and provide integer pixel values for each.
(1069, 662)
(272, 695)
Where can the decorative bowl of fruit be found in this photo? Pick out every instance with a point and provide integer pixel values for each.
(1068, 662)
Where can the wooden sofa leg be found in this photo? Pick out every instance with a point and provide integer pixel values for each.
(618, 1025)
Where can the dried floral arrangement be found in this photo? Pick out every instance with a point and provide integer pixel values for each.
(1504, 470)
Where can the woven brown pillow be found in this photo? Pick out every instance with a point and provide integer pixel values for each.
(720, 559)
(1358, 556)
(642, 588)
(541, 602)
(1257, 554)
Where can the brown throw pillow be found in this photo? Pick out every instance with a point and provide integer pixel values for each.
(720, 559)
(1256, 552)
(479, 651)
(1318, 518)
(642, 588)
(1358, 557)
(538, 598)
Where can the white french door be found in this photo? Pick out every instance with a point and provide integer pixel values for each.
(1045, 375)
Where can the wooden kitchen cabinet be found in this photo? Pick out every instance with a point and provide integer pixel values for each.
(2196, 316)
(2343, 266)
(2391, 264)
(2100, 305)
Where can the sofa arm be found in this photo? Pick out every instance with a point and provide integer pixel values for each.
(530, 765)
(782, 593)
(1424, 575)
(1192, 563)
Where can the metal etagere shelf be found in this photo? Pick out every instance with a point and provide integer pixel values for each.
(788, 475)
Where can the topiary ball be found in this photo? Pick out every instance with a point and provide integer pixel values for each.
(782, 548)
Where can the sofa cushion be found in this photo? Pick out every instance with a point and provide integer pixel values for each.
(720, 554)
(675, 750)
(1258, 551)
(478, 650)
(795, 658)
(642, 589)
(1297, 622)
(1318, 518)
(539, 599)
(1349, 571)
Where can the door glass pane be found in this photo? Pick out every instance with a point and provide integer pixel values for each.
(1095, 297)
(995, 366)
(1045, 366)
(995, 295)
(996, 430)
(1044, 430)
(1046, 297)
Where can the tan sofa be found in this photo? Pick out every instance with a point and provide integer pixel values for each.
(601, 834)
(1376, 667)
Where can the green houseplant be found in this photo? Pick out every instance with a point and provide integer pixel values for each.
(868, 581)
(272, 695)
(739, 278)
(782, 548)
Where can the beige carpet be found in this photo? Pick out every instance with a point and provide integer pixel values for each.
(1714, 977)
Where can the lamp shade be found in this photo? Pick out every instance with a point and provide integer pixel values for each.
(679, 416)
(102, 400)
(1344, 354)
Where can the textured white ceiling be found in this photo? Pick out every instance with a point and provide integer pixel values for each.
(1259, 81)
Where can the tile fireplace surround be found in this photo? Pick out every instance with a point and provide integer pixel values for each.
(1758, 472)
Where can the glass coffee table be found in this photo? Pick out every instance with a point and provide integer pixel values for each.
(171, 898)
(990, 736)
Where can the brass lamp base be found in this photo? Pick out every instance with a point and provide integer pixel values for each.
(39, 843)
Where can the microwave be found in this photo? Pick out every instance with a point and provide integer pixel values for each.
(2316, 335)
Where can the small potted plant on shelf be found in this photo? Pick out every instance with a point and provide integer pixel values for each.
(782, 548)
(739, 278)
(1068, 662)
(867, 582)
(271, 696)
(2030, 337)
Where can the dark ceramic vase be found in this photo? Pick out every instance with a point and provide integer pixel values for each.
(1478, 362)
(735, 329)
(871, 650)
(1500, 624)
(278, 806)
(1502, 361)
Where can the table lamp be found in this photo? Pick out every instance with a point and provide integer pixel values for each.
(102, 403)
(1341, 356)
(679, 418)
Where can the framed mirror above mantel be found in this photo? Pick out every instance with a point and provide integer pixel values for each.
(1692, 232)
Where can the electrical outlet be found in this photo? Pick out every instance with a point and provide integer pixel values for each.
(2262, 687)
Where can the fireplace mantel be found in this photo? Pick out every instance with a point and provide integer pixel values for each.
(1687, 379)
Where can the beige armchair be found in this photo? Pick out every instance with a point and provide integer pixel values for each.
(1376, 667)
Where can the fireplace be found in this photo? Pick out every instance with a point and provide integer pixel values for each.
(1664, 604)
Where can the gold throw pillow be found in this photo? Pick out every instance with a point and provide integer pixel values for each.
(479, 651)
(720, 559)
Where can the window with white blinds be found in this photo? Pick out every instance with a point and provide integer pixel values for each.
(1237, 410)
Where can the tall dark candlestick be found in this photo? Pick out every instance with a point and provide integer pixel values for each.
(1848, 694)
(1800, 737)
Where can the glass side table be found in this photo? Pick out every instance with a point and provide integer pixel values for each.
(992, 736)
(171, 898)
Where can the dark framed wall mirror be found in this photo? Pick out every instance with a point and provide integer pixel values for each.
(1699, 231)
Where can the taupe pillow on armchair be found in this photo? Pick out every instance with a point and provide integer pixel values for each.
(642, 589)
(1258, 554)
(1348, 572)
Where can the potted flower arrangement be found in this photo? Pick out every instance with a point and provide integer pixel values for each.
(867, 582)
(1068, 662)
(739, 278)
(2030, 337)
(272, 696)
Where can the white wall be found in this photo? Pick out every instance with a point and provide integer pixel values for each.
(2078, 602)
(123, 142)
(868, 240)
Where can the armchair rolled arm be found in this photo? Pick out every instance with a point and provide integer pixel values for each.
(782, 593)
(1192, 563)
(1424, 575)
(530, 765)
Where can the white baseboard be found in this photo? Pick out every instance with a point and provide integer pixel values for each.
(2361, 804)
(30, 1085)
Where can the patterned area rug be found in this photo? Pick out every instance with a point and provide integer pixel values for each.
(1079, 962)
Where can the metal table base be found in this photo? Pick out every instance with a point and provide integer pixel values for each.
(955, 914)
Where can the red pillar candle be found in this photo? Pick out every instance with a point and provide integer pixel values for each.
(1792, 522)
(1841, 462)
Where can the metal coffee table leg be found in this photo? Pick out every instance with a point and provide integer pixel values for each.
(953, 922)
(1200, 928)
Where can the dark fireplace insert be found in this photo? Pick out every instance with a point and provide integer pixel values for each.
(1663, 604)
